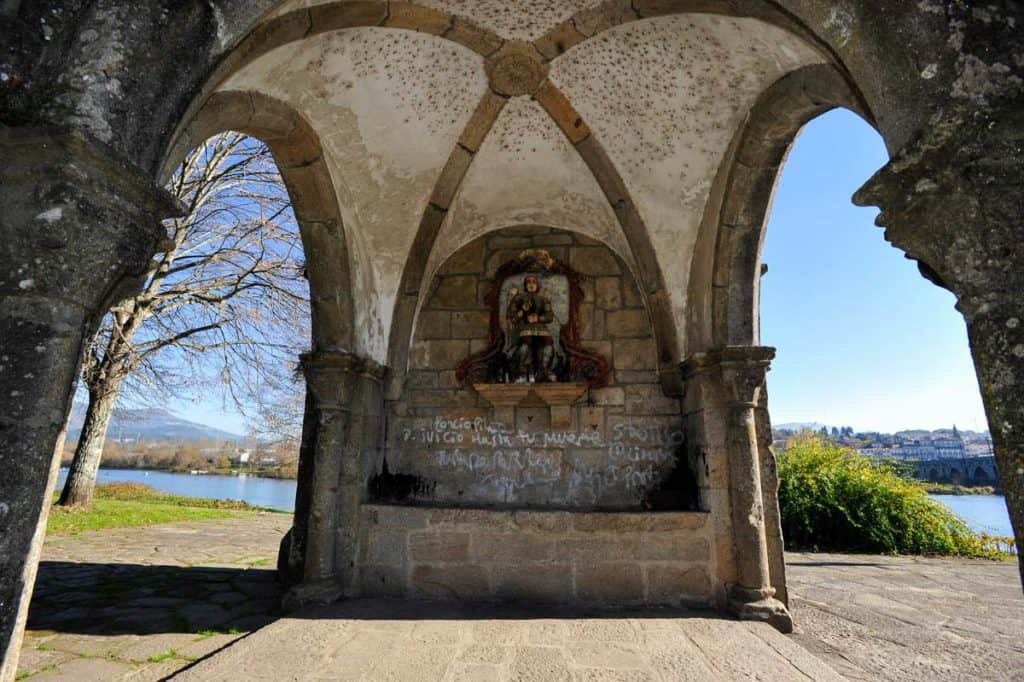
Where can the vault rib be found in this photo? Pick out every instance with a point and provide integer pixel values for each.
(445, 189)
(652, 285)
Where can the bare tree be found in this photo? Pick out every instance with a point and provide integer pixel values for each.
(226, 305)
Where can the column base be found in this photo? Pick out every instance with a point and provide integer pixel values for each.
(761, 605)
(324, 591)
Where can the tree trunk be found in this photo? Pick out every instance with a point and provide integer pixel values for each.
(78, 489)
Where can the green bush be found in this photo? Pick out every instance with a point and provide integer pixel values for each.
(834, 498)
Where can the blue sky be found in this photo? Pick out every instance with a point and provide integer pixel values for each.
(863, 340)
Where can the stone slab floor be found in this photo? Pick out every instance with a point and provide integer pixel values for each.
(147, 603)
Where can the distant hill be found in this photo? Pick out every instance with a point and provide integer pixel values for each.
(798, 426)
(149, 424)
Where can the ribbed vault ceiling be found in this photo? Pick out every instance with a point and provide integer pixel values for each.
(394, 109)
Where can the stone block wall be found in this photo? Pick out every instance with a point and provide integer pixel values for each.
(553, 557)
(445, 445)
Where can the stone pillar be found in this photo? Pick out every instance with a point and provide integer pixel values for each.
(770, 495)
(952, 200)
(344, 412)
(722, 402)
(77, 228)
(752, 597)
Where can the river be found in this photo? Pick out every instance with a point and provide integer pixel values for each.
(261, 492)
(984, 513)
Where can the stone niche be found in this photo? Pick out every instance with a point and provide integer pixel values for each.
(620, 447)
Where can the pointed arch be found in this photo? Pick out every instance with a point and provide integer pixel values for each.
(299, 157)
(724, 281)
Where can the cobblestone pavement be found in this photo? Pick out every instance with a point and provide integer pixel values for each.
(145, 603)
(140, 603)
(909, 618)
(376, 639)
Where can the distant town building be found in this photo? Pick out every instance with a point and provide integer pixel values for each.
(934, 449)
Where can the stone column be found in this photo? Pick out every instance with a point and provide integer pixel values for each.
(770, 495)
(954, 201)
(722, 401)
(743, 374)
(343, 420)
(77, 228)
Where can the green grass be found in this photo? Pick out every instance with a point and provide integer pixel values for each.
(170, 653)
(123, 505)
(833, 498)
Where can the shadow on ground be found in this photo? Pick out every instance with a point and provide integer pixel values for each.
(125, 598)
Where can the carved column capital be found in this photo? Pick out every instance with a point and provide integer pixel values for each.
(743, 373)
(334, 377)
(742, 370)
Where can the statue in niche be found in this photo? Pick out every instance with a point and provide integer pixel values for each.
(534, 334)
(530, 351)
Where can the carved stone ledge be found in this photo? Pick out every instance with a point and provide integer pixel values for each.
(559, 398)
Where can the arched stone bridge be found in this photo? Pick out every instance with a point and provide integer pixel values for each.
(969, 470)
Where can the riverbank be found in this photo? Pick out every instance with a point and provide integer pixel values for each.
(146, 602)
(951, 489)
(280, 473)
(127, 505)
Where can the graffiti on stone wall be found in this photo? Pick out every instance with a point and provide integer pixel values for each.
(478, 459)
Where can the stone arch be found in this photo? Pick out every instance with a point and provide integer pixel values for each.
(297, 152)
(724, 284)
(933, 475)
(302, 23)
(955, 477)
(980, 475)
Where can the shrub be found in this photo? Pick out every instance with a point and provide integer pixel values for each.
(834, 498)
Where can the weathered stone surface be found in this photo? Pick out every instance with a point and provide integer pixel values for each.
(549, 583)
(558, 40)
(611, 395)
(483, 118)
(634, 354)
(451, 177)
(513, 547)
(457, 291)
(431, 546)
(598, 18)
(336, 16)
(446, 354)
(435, 324)
(608, 292)
(562, 112)
(416, 18)
(457, 580)
(469, 259)
(476, 38)
(649, 399)
(53, 187)
(610, 583)
(388, 548)
(632, 323)
(470, 324)
(593, 260)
